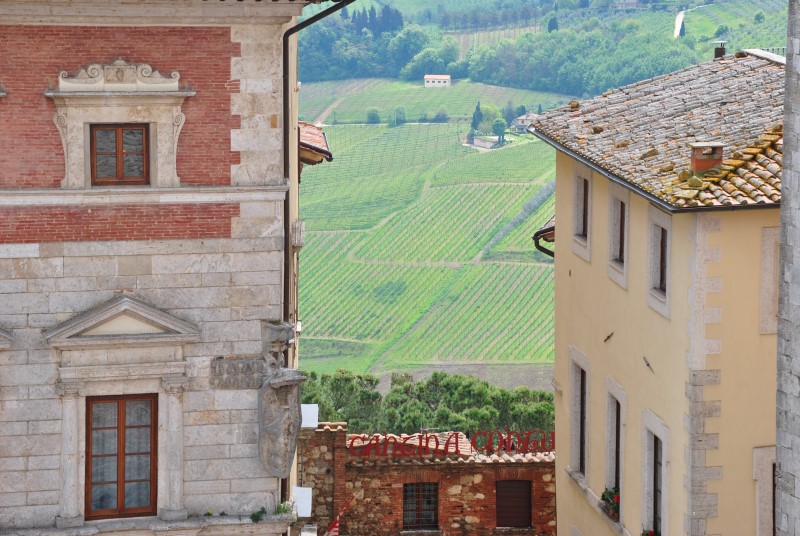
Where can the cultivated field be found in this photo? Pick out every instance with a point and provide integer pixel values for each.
(419, 255)
(350, 99)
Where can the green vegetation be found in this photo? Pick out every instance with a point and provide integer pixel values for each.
(353, 98)
(442, 402)
(410, 236)
(585, 50)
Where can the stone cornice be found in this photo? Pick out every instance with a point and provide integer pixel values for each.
(148, 12)
(137, 195)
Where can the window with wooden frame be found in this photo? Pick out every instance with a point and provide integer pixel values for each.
(120, 154)
(121, 463)
(513, 503)
(421, 505)
(660, 228)
(657, 483)
(582, 214)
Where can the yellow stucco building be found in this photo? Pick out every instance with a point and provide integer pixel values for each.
(667, 206)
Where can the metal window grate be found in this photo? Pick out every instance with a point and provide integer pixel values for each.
(421, 505)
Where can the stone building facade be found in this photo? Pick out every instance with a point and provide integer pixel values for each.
(146, 242)
(787, 493)
(465, 492)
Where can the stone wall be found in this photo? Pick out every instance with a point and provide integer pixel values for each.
(204, 258)
(467, 505)
(787, 493)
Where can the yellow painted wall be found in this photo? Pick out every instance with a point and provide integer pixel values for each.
(590, 306)
(748, 364)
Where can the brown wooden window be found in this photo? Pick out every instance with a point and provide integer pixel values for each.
(620, 249)
(617, 409)
(421, 505)
(662, 260)
(120, 154)
(582, 422)
(582, 229)
(657, 483)
(513, 503)
(121, 464)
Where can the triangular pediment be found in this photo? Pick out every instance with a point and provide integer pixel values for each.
(122, 321)
(5, 339)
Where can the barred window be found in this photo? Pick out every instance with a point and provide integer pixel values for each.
(421, 505)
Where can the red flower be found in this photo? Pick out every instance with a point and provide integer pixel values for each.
(616, 498)
(651, 533)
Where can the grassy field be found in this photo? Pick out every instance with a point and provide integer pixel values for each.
(352, 98)
(738, 16)
(416, 251)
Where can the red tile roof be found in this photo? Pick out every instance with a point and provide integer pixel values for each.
(638, 135)
(313, 138)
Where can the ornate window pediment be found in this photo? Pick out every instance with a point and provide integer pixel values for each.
(5, 339)
(122, 321)
(119, 92)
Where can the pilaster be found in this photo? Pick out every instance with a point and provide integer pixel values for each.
(173, 508)
(70, 513)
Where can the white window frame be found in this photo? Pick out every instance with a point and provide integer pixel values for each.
(654, 426)
(618, 271)
(579, 361)
(658, 300)
(768, 297)
(582, 245)
(93, 97)
(614, 391)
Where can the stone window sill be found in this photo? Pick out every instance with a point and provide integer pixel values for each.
(594, 501)
(514, 531)
(420, 533)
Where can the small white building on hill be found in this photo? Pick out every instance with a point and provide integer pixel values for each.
(437, 80)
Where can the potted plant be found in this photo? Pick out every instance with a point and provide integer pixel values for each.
(646, 532)
(609, 503)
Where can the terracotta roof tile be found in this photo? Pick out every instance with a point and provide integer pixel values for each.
(313, 138)
(639, 133)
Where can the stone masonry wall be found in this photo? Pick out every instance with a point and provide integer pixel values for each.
(787, 492)
(467, 494)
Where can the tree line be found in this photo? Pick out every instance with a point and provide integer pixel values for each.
(583, 59)
(442, 402)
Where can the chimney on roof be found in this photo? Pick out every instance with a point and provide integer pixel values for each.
(719, 49)
(705, 155)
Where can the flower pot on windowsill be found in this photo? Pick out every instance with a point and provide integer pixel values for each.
(608, 510)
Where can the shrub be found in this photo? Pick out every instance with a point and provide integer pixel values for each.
(373, 116)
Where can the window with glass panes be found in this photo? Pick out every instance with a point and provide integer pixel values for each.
(119, 154)
(421, 505)
(121, 468)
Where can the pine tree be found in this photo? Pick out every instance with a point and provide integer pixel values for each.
(477, 117)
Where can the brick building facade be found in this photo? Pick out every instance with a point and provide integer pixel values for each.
(147, 265)
(464, 493)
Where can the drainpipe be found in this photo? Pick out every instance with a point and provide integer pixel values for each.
(287, 245)
(287, 240)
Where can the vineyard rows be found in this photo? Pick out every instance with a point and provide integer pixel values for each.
(449, 225)
(492, 315)
(518, 242)
(393, 250)
(386, 94)
(521, 162)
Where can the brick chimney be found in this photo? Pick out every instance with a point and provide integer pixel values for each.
(705, 155)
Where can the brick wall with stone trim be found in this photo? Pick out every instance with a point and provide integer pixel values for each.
(467, 493)
(787, 493)
(35, 55)
(208, 255)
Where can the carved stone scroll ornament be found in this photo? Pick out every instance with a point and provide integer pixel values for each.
(279, 415)
(118, 75)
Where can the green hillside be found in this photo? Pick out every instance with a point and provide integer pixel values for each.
(419, 248)
(352, 98)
